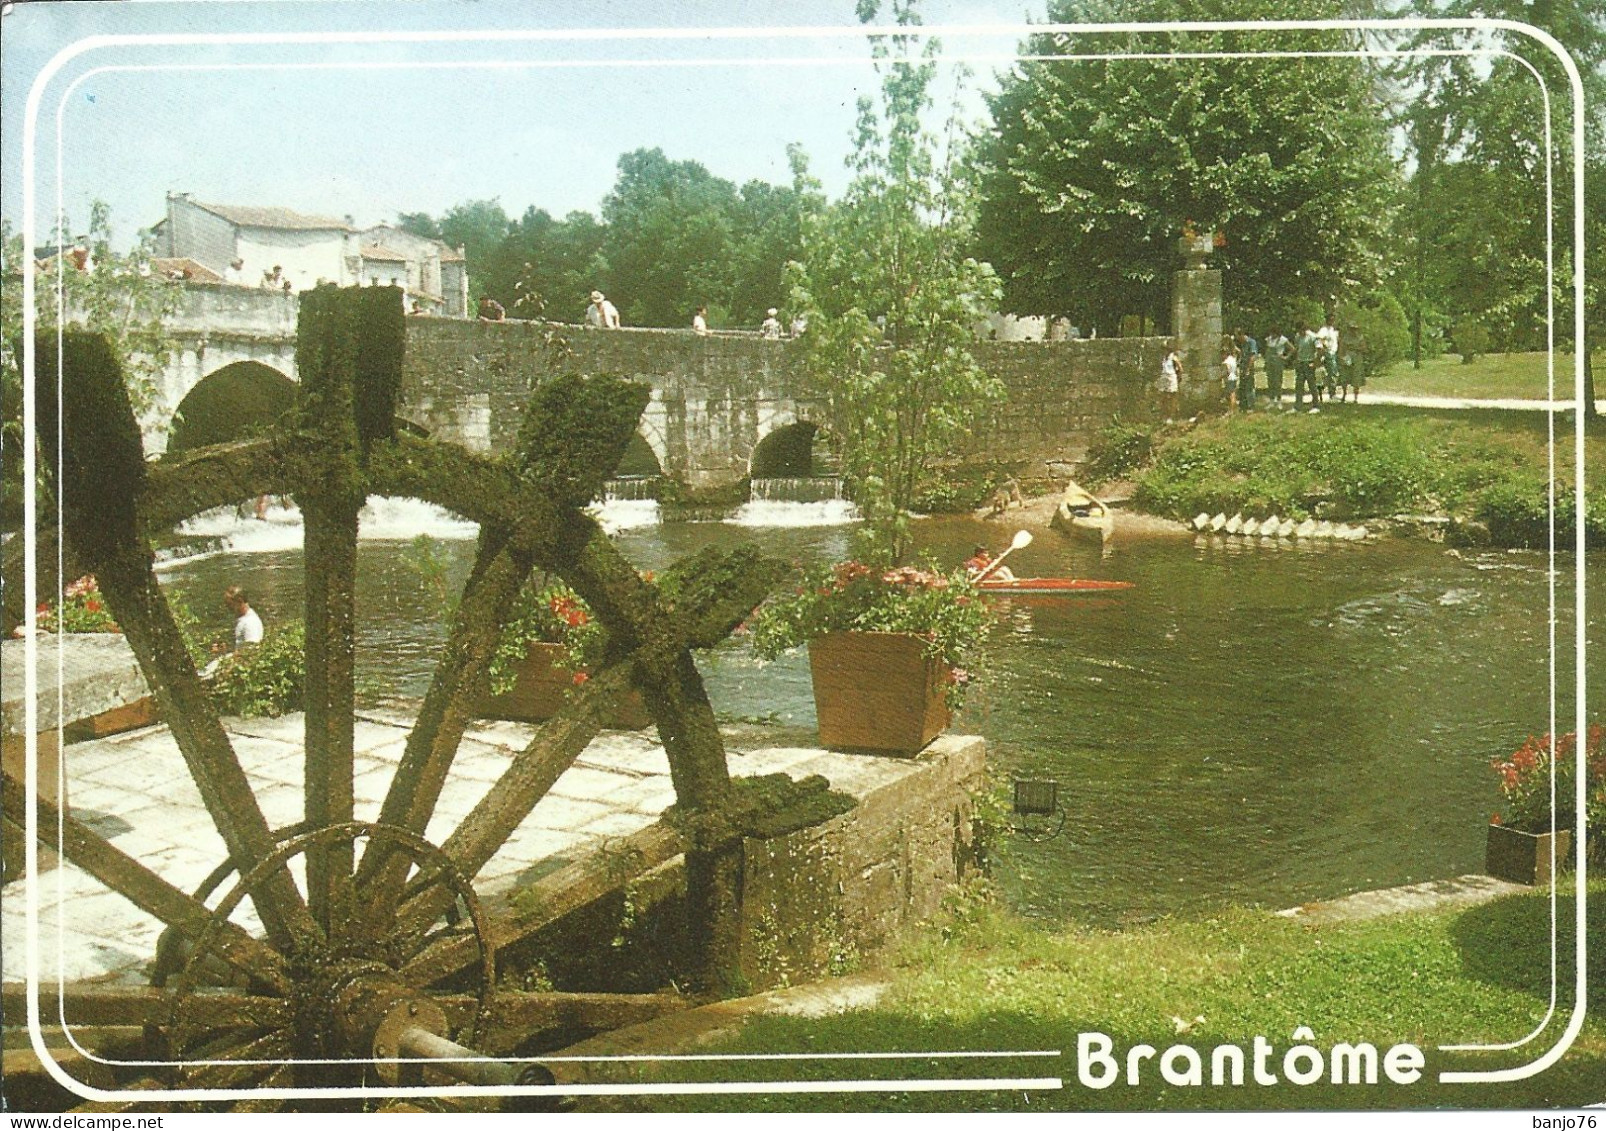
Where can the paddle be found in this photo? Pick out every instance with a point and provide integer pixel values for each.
(1022, 539)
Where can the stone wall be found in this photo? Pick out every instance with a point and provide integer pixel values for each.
(1059, 394)
(715, 397)
(815, 901)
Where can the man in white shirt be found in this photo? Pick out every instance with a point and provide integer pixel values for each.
(771, 326)
(602, 314)
(247, 624)
(247, 629)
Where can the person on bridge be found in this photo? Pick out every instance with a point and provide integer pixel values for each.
(491, 310)
(771, 326)
(602, 314)
(699, 321)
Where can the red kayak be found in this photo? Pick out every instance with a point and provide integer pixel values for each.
(1050, 586)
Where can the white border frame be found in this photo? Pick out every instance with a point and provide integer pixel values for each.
(30, 589)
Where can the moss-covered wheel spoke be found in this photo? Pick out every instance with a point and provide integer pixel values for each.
(102, 477)
(454, 691)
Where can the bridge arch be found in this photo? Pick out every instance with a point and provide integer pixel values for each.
(796, 449)
(231, 403)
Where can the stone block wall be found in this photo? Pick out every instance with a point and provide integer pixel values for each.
(815, 900)
(1059, 394)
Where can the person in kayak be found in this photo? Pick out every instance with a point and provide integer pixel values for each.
(978, 563)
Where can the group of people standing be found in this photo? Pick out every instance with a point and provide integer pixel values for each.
(1322, 360)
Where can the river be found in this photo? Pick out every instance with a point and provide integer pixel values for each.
(1254, 722)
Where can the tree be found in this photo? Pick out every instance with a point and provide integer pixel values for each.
(1475, 130)
(891, 298)
(769, 234)
(671, 228)
(419, 223)
(1092, 169)
(558, 260)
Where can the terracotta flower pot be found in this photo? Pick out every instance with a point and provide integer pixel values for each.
(877, 691)
(540, 686)
(1524, 858)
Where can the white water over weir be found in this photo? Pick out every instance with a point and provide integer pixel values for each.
(236, 530)
(627, 504)
(796, 489)
(799, 501)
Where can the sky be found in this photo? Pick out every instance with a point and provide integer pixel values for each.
(371, 129)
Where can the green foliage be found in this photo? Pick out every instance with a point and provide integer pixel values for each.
(263, 679)
(1475, 126)
(947, 610)
(1517, 511)
(986, 978)
(891, 299)
(1383, 326)
(667, 245)
(546, 267)
(1094, 167)
(1265, 465)
(1366, 468)
(958, 490)
(677, 237)
(1118, 450)
(548, 613)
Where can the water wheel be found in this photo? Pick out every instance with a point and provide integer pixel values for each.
(374, 965)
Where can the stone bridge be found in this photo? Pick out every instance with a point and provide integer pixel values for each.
(722, 407)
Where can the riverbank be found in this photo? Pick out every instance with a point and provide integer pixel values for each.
(1484, 476)
(984, 980)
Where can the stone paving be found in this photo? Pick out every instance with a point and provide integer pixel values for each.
(1434, 895)
(135, 789)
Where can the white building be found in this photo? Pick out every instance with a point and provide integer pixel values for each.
(426, 268)
(308, 250)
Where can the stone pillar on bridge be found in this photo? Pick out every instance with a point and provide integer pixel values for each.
(1196, 322)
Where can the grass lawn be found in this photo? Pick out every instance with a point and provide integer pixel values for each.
(1494, 375)
(988, 981)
